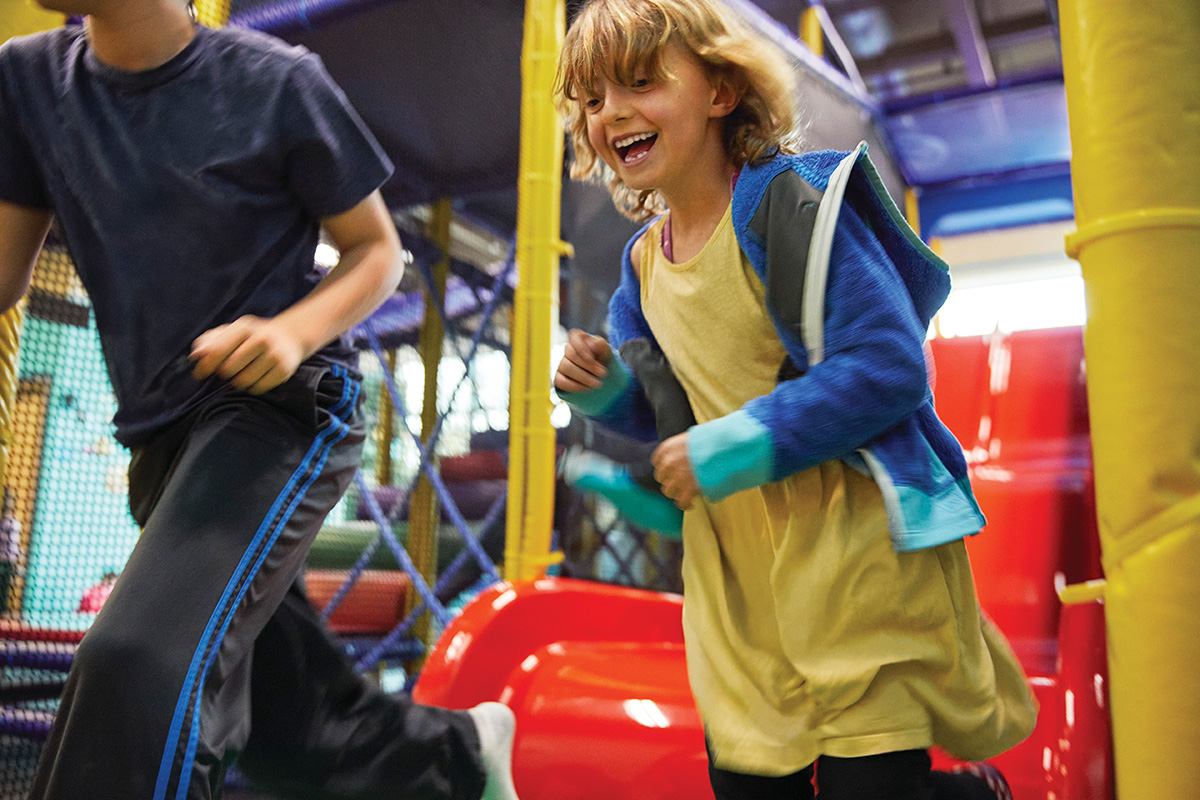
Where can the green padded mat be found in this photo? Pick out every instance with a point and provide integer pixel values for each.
(340, 545)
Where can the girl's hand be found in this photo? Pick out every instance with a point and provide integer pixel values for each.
(582, 366)
(254, 354)
(673, 471)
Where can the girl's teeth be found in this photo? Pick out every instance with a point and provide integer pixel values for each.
(638, 150)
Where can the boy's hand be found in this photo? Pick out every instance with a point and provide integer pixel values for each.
(252, 353)
(673, 471)
(582, 366)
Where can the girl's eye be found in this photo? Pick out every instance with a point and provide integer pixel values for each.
(640, 83)
(591, 103)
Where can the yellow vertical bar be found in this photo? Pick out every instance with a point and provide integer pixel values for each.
(912, 210)
(531, 450)
(20, 17)
(212, 13)
(386, 432)
(10, 337)
(1132, 97)
(422, 507)
(810, 31)
(518, 424)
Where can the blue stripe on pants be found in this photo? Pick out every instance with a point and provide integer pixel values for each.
(243, 574)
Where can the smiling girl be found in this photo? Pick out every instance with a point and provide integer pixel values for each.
(830, 617)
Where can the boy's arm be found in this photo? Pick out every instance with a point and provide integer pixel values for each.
(873, 376)
(22, 231)
(367, 273)
(256, 354)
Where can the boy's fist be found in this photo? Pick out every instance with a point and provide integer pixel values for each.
(583, 363)
(252, 353)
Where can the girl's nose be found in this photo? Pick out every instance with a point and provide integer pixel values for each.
(615, 108)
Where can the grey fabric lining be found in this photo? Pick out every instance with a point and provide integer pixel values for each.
(784, 220)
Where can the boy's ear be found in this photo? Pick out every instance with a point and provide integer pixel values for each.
(726, 96)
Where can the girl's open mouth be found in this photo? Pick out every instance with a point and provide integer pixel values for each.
(634, 148)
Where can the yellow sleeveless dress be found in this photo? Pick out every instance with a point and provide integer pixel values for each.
(806, 634)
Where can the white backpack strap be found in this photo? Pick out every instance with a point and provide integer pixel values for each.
(817, 269)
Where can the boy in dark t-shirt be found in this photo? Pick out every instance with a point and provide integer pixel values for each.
(191, 171)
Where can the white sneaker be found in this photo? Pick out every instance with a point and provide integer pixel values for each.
(496, 725)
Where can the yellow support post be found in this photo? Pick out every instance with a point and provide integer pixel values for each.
(212, 13)
(20, 17)
(1132, 98)
(422, 507)
(11, 322)
(531, 436)
(386, 432)
(810, 31)
(912, 209)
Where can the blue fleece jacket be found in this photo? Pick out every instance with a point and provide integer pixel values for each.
(868, 289)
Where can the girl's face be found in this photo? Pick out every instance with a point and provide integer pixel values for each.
(658, 133)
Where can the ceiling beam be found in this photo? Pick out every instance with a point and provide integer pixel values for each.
(838, 45)
(942, 46)
(840, 7)
(968, 37)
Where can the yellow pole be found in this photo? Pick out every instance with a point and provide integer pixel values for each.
(23, 17)
(20, 18)
(212, 13)
(810, 31)
(10, 339)
(1130, 71)
(531, 436)
(385, 433)
(422, 507)
(912, 209)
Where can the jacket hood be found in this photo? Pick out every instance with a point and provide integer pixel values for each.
(925, 274)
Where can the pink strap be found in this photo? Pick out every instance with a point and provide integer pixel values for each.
(667, 249)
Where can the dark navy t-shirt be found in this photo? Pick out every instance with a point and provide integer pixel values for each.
(189, 194)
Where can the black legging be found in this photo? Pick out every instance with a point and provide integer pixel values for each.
(904, 775)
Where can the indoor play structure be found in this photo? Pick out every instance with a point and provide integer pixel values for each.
(1081, 441)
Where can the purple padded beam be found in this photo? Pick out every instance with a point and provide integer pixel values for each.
(36, 655)
(25, 723)
(289, 16)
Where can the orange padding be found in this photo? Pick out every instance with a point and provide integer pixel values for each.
(12, 630)
(374, 604)
(483, 465)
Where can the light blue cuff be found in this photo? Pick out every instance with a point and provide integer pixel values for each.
(938, 520)
(917, 520)
(594, 402)
(729, 454)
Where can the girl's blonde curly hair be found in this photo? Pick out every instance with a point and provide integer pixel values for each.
(613, 38)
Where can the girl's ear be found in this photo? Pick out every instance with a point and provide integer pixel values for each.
(727, 94)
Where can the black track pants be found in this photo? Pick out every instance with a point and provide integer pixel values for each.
(207, 649)
(903, 775)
